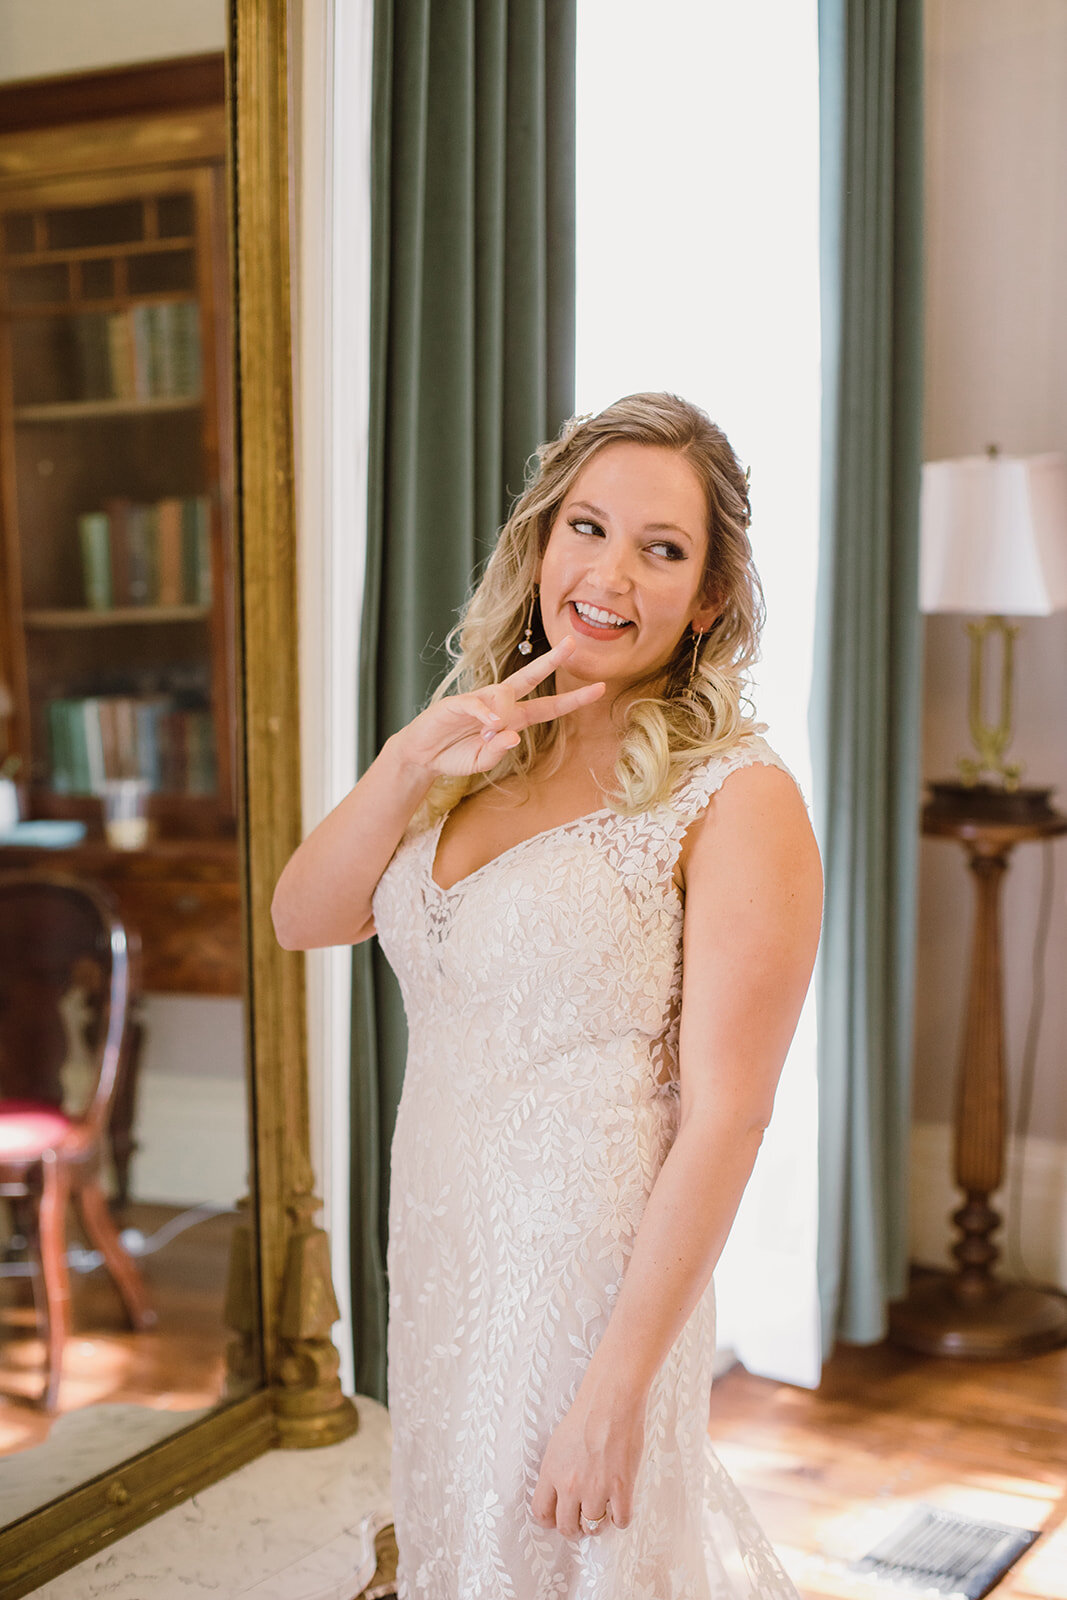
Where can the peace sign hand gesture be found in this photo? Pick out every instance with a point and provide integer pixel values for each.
(467, 733)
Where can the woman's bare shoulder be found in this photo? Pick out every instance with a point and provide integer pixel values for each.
(756, 819)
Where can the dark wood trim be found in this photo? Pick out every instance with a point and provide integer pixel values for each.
(177, 84)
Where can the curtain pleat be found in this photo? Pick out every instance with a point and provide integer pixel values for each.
(472, 365)
(866, 694)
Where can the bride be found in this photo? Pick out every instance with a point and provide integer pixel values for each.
(600, 892)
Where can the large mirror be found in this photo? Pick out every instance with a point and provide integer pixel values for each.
(151, 1034)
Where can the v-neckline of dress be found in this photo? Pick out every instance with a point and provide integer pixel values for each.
(512, 849)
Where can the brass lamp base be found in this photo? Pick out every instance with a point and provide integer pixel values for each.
(1007, 1321)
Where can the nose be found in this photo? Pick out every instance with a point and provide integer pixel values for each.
(610, 569)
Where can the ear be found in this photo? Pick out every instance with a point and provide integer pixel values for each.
(708, 612)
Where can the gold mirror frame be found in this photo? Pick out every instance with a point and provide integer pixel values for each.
(286, 1295)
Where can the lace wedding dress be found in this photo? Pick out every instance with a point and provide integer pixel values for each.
(540, 1099)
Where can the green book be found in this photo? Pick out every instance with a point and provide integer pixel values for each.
(170, 335)
(139, 324)
(77, 748)
(94, 533)
(156, 352)
(96, 766)
(196, 551)
(186, 348)
(142, 556)
(202, 777)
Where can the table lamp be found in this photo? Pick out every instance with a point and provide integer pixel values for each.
(993, 545)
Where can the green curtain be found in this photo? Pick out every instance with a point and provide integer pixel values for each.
(472, 366)
(865, 705)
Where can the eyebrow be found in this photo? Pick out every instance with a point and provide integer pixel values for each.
(650, 527)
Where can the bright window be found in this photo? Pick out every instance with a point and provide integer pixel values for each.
(698, 153)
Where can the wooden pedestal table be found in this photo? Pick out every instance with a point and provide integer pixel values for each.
(972, 1312)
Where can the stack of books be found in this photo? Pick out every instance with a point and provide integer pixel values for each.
(158, 555)
(146, 352)
(131, 736)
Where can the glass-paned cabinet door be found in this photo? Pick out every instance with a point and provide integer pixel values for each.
(117, 707)
(116, 497)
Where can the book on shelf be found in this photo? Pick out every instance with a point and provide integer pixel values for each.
(154, 555)
(149, 351)
(170, 584)
(131, 736)
(142, 570)
(94, 534)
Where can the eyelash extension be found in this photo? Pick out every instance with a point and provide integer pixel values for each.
(674, 552)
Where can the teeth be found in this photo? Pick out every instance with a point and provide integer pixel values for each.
(603, 619)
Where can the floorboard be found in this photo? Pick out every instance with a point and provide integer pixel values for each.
(829, 1471)
(177, 1366)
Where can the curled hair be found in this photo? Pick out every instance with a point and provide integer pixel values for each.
(663, 732)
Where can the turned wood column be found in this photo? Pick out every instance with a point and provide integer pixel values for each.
(980, 1132)
(973, 1312)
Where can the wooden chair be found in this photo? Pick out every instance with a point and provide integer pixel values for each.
(57, 932)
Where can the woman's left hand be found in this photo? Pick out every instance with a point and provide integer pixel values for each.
(590, 1466)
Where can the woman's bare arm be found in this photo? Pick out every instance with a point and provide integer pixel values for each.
(753, 908)
(323, 896)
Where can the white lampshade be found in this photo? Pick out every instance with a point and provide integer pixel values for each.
(994, 535)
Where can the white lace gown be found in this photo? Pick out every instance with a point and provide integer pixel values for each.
(543, 996)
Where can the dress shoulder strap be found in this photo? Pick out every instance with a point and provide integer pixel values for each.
(703, 779)
(644, 845)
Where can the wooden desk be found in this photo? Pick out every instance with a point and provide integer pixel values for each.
(181, 896)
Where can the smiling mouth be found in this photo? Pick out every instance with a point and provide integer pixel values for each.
(599, 619)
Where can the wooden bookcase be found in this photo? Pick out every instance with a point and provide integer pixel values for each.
(116, 393)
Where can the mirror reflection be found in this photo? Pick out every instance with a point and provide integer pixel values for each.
(123, 1117)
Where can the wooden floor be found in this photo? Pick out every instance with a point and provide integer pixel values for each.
(827, 1472)
(830, 1472)
(177, 1366)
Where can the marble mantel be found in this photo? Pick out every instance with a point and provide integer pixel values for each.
(292, 1525)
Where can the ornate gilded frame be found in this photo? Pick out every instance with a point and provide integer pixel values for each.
(281, 1303)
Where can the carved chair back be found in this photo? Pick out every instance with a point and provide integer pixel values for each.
(58, 933)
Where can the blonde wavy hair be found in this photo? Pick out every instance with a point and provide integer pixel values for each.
(665, 732)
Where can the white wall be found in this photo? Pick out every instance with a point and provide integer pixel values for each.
(697, 236)
(44, 38)
(996, 372)
(191, 1123)
(330, 84)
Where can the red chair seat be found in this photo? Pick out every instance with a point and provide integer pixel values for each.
(30, 1127)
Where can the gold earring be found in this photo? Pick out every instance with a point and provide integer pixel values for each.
(525, 647)
(697, 637)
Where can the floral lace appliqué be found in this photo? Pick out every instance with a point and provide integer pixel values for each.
(539, 1103)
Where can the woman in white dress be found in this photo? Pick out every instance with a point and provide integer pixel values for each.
(600, 892)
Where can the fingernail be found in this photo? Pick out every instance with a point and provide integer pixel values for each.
(488, 733)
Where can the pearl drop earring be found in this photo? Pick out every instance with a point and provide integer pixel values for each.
(525, 647)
